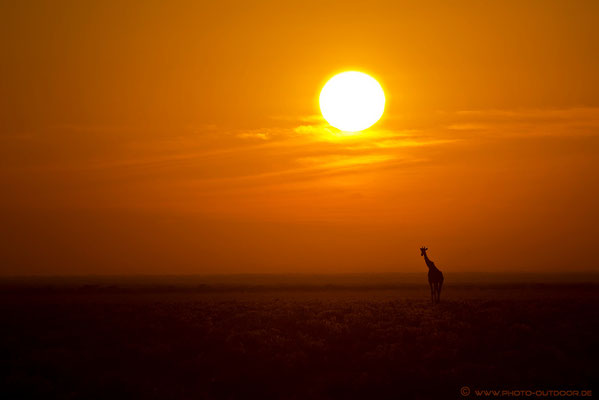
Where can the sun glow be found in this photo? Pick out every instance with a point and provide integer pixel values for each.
(352, 101)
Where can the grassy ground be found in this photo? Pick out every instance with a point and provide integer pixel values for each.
(295, 342)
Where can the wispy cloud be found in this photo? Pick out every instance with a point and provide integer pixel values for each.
(302, 155)
(527, 122)
(254, 135)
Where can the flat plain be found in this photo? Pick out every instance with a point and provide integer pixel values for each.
(293, 338)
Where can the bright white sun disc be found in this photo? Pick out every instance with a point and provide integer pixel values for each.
(352, 101)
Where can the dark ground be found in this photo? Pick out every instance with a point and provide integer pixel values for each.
(381, 339)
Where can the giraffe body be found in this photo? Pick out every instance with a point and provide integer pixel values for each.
(435, 277)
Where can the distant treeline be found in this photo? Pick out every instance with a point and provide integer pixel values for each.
(286, 282)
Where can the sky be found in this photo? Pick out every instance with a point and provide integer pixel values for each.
(185, 137)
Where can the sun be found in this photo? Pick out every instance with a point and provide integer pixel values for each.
(352, 101)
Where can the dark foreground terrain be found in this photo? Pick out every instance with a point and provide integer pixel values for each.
(257, 340)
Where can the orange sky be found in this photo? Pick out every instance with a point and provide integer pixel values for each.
(185, 137)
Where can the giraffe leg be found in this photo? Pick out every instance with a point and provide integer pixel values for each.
(432, 292)
(439, 293)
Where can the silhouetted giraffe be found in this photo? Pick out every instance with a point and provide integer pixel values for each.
(435, 277)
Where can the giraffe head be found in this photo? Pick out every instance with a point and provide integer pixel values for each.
(423, 251)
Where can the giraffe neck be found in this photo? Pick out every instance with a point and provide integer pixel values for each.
(428, 262)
